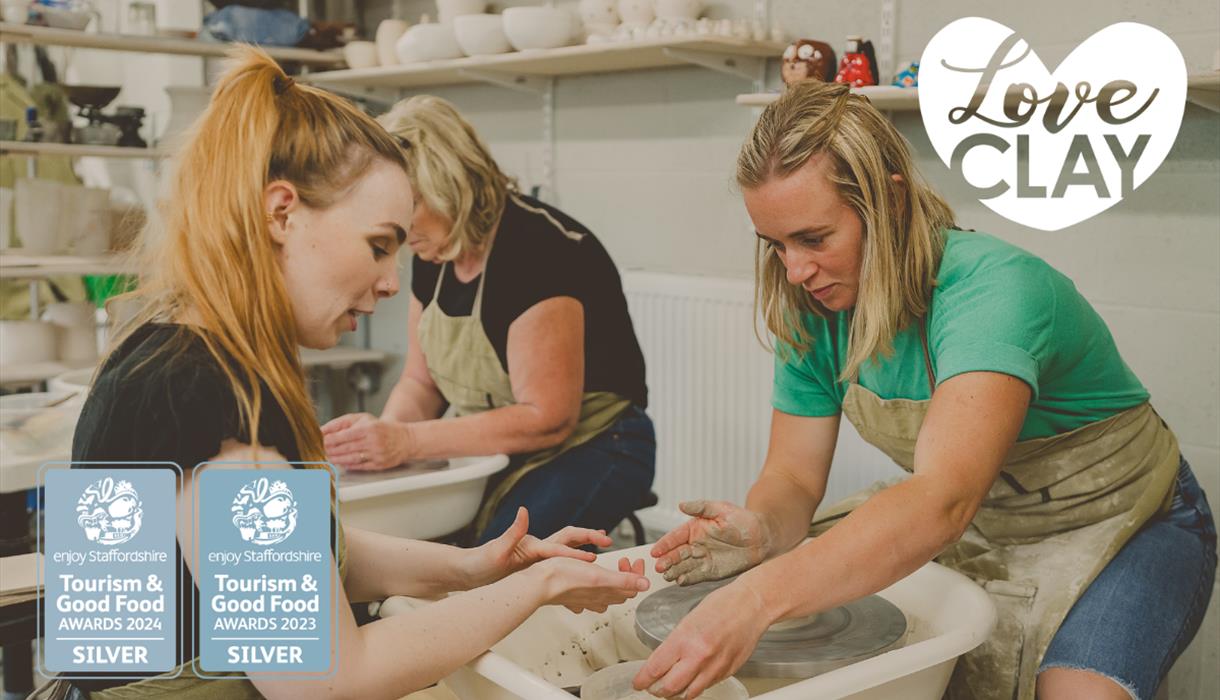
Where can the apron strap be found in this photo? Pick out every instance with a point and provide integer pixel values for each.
(440, 277)
(476, 310)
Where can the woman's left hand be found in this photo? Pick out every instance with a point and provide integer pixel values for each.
(516, 549)
(362, 441)
(707, 646)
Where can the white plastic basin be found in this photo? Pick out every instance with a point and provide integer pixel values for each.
(947, 615)
(417, 500)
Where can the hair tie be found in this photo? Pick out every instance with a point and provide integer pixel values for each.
(281, 83)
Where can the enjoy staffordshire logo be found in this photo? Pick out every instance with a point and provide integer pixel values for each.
(1048, 150)
(264, 511)
(110, 512)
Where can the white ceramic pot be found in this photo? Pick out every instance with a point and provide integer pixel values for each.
(86, 220)
(68, 314)
(60, 18)
(14, 12)
(75, 330)
(26, 342)
(428, 42)
(481, 35)
(388, 34)
(186, 103)
(596, 15)
(448, 10)
(39, 215)
(597, 32)
(76, 345)
(538, 27)
(636, 12)
(360, 54)
(679, 9)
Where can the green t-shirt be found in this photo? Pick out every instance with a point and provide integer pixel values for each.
(995, 308)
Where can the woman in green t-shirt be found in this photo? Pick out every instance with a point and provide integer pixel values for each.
(981, 371)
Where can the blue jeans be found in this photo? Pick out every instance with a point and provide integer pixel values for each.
(594, 485)
(1142, 610)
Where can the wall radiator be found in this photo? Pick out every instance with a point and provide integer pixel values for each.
(709, 391)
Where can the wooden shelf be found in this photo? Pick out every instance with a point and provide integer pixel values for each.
(15, 264)
(30, 34)
(1202, 89)
(886, 97)
(77, 150)
(737, 56)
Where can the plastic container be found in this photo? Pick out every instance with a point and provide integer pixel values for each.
(947, 615)
(417, 501)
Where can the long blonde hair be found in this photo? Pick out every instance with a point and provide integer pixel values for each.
(902, 222)
(211, 256)
(452, 169)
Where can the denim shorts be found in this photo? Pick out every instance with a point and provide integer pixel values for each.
(1142, 610)
(595, 484)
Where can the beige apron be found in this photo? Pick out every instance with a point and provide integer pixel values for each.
(464, 365)
(1062, 508)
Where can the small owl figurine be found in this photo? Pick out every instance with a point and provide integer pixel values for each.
(805, 58)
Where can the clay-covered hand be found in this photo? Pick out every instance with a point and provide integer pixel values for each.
(580, 586)
(362, 441)
(707, 646)
(516, 549)
(719, 540)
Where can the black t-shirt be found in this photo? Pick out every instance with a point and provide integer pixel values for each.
(540, 252)
(178, 407)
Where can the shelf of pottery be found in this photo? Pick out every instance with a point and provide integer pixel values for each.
(806, 58)
(524, 46)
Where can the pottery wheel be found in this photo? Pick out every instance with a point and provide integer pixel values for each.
(845, 635)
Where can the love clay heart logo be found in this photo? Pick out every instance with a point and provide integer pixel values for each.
(1048, 150)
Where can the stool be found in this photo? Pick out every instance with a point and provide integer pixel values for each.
(637, 527)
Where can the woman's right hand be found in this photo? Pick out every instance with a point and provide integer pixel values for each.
(580, 586)
(364, 442)
(719, 540)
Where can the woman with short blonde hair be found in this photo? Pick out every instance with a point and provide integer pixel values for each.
(518, 325)
(282, 225)
(1038, 466)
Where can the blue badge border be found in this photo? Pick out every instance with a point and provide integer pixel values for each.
(39, 545)
(334, 543)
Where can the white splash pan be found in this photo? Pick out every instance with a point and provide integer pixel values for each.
(417, 501)
(947, 615)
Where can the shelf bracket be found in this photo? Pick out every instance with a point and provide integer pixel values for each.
(748, 67)
(521, 83)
